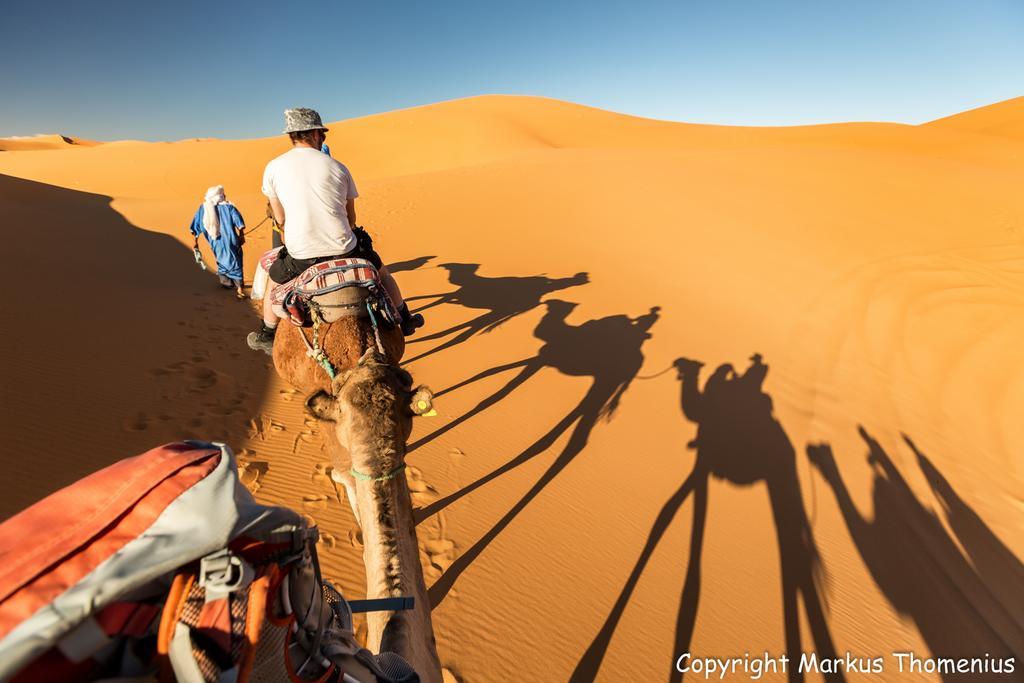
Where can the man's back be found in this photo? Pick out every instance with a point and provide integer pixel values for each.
(313, 189)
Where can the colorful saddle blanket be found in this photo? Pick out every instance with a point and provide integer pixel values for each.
(328, 276)
(324, 278)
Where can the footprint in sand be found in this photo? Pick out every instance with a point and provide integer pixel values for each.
(200, 377)
(219, 408)
(305, 436)
(288, 394)
(355, 538)
(421, 492)
(258, 427)
(136, 423)
(322, 474)
(251, 472)
(327, 541)
(314, 501)
(441, 552)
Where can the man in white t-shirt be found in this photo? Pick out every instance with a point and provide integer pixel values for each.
(313, 197)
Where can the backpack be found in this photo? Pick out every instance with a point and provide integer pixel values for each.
(162, 567)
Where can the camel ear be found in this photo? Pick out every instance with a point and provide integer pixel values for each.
(323, 406)
(405, 378)
(422, 402)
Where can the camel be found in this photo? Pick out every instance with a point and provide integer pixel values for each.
(368, 408)
(344, 341)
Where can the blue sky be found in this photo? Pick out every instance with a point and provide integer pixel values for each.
(112, 69)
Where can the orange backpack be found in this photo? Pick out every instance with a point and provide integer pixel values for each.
(162, 567)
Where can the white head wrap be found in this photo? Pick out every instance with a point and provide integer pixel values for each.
(214, 196)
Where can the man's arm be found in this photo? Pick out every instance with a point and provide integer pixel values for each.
(350, 208)
(195, 229)
(278, 209)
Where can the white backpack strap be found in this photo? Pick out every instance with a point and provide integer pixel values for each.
(186, 670)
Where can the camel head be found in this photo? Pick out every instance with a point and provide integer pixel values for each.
(371, 407)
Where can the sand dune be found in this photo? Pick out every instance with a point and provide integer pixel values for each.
(41, 142)
(1005, 119)
(578, 520)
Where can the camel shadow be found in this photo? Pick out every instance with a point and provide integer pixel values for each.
(962, 605)
(607, 349)
(739, 440)
(501, 299)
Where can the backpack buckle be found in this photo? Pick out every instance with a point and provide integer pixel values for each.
(222, 573)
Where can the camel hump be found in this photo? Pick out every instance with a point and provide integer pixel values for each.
(342, 303)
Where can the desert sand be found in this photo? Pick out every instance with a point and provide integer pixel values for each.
(41, 142)
(577, 520)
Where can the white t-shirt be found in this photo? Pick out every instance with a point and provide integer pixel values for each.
(313, 188)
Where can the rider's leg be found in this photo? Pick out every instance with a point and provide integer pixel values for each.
(409, 321)
(388, 280)
(269, 317)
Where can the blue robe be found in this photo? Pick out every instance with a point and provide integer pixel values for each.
(226, 248)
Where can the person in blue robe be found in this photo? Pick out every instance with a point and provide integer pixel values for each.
(222, 224)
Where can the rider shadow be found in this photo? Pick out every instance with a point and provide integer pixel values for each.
(738, 440)
(501, 298)
(996, 565)
(411, 264)
(919, 567)
(606, 349)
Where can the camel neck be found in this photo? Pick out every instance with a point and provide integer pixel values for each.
(391, 558)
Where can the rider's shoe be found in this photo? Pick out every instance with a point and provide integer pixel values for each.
(263, 340)
(410, 321)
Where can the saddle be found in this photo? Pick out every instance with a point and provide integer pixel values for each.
(335, 289)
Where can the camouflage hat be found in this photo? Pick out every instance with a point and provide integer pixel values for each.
(297, 120)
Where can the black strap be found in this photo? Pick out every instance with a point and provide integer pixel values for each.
(382, 604)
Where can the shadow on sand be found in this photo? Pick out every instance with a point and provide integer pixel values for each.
(501, 299)
(963, 605)
(608, 350)
(114, 343)
(411, 264)
(740, 441)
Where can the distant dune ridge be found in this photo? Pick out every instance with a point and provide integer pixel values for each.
(853, 482)
(40, 142)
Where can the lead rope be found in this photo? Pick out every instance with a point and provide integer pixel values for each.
(376, 332)
(313, 350)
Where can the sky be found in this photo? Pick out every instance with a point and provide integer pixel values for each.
(156, 70)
